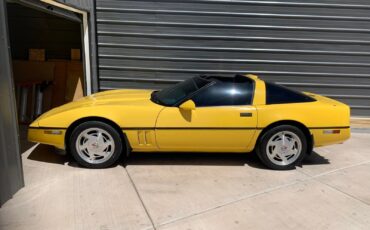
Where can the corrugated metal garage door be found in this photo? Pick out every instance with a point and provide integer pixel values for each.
(317, 46)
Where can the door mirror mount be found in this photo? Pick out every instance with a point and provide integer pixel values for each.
(188, 105)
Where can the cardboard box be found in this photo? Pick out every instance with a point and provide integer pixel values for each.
(74, 81)
(75, 54)
(59, 82)
(36, 54)
(31, 72)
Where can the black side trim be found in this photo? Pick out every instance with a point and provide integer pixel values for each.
(137, 128)
(190, 128)
(199, 128)
(330, 127)
(47, 128)
(323, 127)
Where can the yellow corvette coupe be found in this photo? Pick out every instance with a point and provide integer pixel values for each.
(201, 114)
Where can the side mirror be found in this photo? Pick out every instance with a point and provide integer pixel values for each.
(188, 105)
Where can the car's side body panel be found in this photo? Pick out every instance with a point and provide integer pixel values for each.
(319, 117)
(216, 129)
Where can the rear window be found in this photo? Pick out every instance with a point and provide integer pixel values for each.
(276, 94)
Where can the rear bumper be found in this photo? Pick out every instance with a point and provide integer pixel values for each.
(49, 136)
(330, 135)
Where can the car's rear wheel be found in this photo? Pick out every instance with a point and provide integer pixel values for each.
(95, 144)
(282, 147)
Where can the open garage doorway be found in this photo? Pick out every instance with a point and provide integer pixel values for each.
(46, 59)
(45, 63)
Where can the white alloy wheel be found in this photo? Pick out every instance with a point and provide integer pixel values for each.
(283, 148)
(95, 145)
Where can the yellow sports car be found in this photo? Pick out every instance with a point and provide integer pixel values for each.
(201, 114)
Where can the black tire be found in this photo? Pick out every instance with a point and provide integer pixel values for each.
(261, 148)
(114, 134)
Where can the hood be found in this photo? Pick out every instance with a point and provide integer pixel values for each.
(110, 97)
(121, 95)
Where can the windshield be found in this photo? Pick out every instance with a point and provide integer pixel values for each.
(176, 93)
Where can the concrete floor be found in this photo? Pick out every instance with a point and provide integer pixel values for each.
(195, 191)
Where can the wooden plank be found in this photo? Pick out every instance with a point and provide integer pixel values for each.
(59, 82)
(74, 83)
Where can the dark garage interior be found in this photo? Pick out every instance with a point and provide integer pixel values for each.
(47, 62)
(47, 66)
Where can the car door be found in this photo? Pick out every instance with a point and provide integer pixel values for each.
(223, 120)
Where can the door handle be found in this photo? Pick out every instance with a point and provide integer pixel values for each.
(246, 114)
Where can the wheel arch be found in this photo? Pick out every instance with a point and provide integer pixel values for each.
(72, 126)
(305, 130)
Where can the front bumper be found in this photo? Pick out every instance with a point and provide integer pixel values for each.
(47, 135)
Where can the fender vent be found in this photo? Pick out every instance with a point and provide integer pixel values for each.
(145, 137)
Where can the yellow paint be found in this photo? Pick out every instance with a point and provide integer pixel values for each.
(39, 135)
(188, 105)
(152, 127)
(322, 139)
(206, 129)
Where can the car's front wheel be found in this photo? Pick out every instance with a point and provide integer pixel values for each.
(282, 147)
(95, 144)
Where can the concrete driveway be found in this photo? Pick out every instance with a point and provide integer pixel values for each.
(195, 191)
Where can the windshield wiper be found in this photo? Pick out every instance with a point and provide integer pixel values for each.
(154, 98)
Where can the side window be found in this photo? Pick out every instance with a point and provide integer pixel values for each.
(226, 93)
(276, 94)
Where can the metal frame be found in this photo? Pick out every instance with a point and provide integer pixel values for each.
(85, 41)
(87, 9)
(11, 171)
